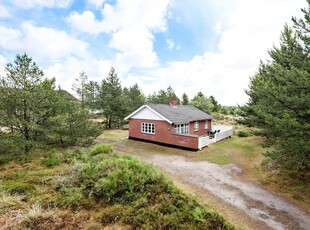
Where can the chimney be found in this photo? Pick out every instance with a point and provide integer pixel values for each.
(173, 102)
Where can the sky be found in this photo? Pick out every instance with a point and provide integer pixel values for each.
(212, 46)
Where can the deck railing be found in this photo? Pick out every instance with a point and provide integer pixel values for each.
(223, 134)
(203, 141)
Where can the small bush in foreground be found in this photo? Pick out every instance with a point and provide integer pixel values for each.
(101, 148)
(242, 134)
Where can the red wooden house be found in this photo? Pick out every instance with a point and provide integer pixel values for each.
(171, 124)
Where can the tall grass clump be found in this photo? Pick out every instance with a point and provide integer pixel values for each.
(143, 198)
(19, 188)
(101, 148)
(7, 199)
(53, 159)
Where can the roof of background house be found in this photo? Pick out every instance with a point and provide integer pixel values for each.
(177, 114)
(67, 94)
(61, 92)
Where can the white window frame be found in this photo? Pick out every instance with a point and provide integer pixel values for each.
(147, 128)
(181, 128)
(206, 124)
(196, 126)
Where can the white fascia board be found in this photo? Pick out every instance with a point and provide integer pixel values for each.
(148, 107)
(134, 112)
(158, 114)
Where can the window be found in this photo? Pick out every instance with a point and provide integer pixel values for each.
(181, 128)
(206, 125)
(148, 128)
(196, 126)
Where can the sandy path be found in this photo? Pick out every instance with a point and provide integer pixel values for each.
(270, 211)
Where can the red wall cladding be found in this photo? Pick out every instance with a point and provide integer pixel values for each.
(164, 133)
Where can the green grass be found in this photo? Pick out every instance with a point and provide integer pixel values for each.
(53, 159)
(233, 150)
(101, 148)
(19, 188)
(115, 134)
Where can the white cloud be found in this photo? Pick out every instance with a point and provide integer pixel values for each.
(42, 3)
(12, 38)
(170, 44)
(218, 27)
(42, 42)
(85, 22)
(125, 14)
(4, 12)
(132, 13)
(131, 25)
(134, 50)
(96, 3)
(69, 69)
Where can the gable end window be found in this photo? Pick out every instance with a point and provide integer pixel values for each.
(196, 126)
(148, 128)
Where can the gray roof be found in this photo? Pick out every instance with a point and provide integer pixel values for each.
(180, 113)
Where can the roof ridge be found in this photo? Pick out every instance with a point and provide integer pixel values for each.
(180, 113)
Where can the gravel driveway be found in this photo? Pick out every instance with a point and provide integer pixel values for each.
(270, 211)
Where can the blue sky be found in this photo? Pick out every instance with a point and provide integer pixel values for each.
(213, 46)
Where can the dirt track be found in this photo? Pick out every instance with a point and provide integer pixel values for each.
(265, 210)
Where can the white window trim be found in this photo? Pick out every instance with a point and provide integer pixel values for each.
(181, 128)
(147, 128)
(196, 126)
(206, 124)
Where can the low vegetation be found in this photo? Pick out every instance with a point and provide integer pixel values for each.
(93, 189)
(242, 134)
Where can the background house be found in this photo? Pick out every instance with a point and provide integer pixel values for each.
(177, 125)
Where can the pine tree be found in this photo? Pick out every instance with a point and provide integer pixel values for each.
(185, 99)
(110, 97)
(133, 98)
(27, 101)
(80, 87)
(70, 125)
(37, 114)
(91, 95)
(163, 96)
(202, 102)
(216, 105)
(279, 101)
